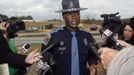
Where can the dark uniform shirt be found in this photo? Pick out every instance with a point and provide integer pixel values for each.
(62, 51)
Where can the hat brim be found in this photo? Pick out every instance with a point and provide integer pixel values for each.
(71, 10)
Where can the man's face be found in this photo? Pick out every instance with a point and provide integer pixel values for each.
(72, 19)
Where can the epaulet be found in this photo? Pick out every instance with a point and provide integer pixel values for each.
(56, 30)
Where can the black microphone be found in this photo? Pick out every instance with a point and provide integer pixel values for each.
(94, 49)
(44, 65)
(109, 34)
(55, 43)
(25, 47)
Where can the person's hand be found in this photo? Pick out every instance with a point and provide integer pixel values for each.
(124, 44)
(92, 69)
(107, 55)
(32, 57)
(116, 36)
(20, 51)
(3, 27)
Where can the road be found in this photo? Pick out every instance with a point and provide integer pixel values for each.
(39, 40)
(31, 40)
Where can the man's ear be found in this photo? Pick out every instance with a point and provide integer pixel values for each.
(63, 16)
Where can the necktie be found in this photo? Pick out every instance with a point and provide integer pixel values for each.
(74, 56)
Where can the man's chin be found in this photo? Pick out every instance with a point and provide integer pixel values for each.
(74, 26)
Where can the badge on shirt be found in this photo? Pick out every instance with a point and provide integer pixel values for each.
(85, 41)
(61, 43)
(62, 48)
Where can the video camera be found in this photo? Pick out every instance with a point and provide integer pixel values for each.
(15, 25)
(113, 22)
(112, 25)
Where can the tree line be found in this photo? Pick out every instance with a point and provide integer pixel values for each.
(5, 17)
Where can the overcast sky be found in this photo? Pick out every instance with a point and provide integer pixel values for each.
(45, 9)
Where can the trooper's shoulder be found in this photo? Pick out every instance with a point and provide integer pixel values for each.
(82, 30)
(56, 30)
(85, 32)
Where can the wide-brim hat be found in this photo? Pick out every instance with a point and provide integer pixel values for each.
(70, 6)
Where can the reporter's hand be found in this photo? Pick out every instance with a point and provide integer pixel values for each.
(92, 69)
(116, 36)
(3, 27)
(32, 57)
(107, 55)
(20, 51)
(125, 44)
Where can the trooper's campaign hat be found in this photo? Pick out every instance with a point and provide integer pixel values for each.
(70, 6)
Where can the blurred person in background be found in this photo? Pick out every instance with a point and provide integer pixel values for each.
(129, 32)
(118, 62)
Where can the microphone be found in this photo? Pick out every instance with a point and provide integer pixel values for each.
(94, 49)
(24, 48)
(109, 34)
(55, 43)
(44, 65)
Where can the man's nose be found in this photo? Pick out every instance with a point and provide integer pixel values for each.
(74, 16)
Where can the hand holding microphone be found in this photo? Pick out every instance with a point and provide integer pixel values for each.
(109, 35)
(24, 48)
(46, 65)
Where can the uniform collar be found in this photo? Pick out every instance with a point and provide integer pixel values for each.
(68, 32)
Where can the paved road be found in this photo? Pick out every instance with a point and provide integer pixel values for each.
(38, 40)
(32, 40)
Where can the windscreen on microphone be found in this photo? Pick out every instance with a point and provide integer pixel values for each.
(27, 46)
(94, 50)
(54, 43)
(24, 48)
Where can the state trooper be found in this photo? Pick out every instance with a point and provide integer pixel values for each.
(72, 52)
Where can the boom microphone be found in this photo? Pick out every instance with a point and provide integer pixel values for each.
(55, 43)
(44, 65)
(94, 50)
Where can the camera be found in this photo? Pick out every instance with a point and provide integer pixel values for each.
(15, 25)
(113, 23)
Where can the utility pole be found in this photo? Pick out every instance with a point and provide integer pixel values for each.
(60, 16)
